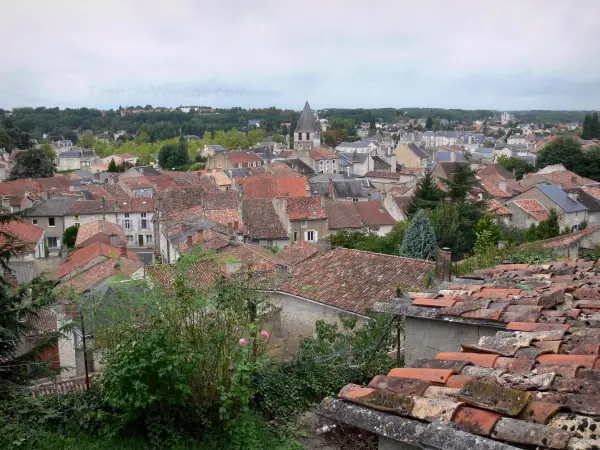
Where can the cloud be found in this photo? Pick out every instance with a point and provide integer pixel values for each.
(339, 53)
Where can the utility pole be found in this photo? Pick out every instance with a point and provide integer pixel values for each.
(85, 361)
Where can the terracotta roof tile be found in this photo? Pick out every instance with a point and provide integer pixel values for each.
(372, 213)
(298, 252)
(534, 208)
(354, 280)
(141, 204)
(99, 231)
(480, 359)
(261, 220)
(476, 420)
(269, 187)
(80, 258)
(17, 234)
(306, 208)
(342, 215)
(435, 302)
(431, 375)
(322, 153)
(496, 208)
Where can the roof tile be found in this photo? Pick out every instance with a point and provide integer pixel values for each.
(494, 397)
(431, 375)
(475, 420)
(480, 359)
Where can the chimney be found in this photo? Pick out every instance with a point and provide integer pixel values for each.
(189, 240)
(200, 234)
(453, 156)
(236, 225)
(331, 194)
(444, 265)
(123, 250)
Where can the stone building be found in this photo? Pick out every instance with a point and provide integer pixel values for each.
(307, 134)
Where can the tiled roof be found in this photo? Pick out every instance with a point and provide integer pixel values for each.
(220, 177)
(43, 322)
(243, 158)
(176, 200)
(568, 239)
(137, 182)
(382, 174)
(124, 205)
(18, 187)
(535, 383)
(98, 230)
(200, 274)
(261, 220)
(226, 217)
(534, 208)
(497, 209)
(342, 214)
(79, 258)
(373, 214)
(101, 272)
(206, 239)
(305, 208)
(298, 252)
(497, 170)
(220, 200)
(272, 187)
(23, 233)
(280, 169)
(57, 205)
(322, 153)
(491, 183)
(354, 280)
(254, 256)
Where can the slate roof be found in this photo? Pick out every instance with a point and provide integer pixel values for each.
(342, 188)
(342, 214)
(98, 230)
(355, 157)
(216, 148)
(148, 171)
(299, 166)
(417, 151)
(373, 214)
(384, 174)
(446, 156)
(560, 197)
(354, 280)
(588, 200)
(261, 220)
(305, 208)
(535, 383)
(56, 205)
(380, 164)
(306, 122)
(20, 234)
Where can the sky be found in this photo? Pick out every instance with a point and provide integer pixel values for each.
(509, 55)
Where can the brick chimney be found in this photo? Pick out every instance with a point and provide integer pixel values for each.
(190, 240)
(200, 234)
(331, 193)
(123, 250)
(236, 225)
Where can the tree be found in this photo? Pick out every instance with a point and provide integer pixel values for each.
(50, 154)
(172, 156)
(5, 142)
(520, 166)
(112, 166)
(562, 150)
(426, 195)
(419, 241)
(595, 126)
(429, 123)
(70, 236)
(32, 163)
(549, 228)
(460, 182)
(487, 233)
(87, 141)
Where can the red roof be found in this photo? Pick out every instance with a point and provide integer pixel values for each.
(99, 231)
(298, 252)
(272, 187)
(243, 158)
(23, 233)
(306, 208)
(373, 213)
(323, 153)
(496, 208)
(79, 258)
(534, 208)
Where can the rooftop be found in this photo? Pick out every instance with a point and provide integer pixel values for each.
(560, 197)
(23, 233)
(298, 252)
(306, 208)
(373, 214)
(355, 280)
(322, 153)
(124, 205)
(534, 208)
(261, 220)
(268, 187)
(91, 231)
(56, 205)
(342, 214)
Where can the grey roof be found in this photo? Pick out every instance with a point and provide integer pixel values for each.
(357, 144)
(236, 173)
(528, 158)
(253, 122)
(380, 164)
(81, 153)
(307, 122)
(484, 150)
(298, 165)
(148, 171)
(333, 176)
(417, 151)
(357, 157)
(348, 188)
(217, 148)
(589, 201)
(203, 225)
(560, 197)
(84, 174)
(345, 163)
(54, 206)
(445, 156)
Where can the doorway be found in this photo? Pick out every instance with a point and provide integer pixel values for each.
(140, 240)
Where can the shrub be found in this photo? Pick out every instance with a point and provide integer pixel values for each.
(419, 240)
(70, 236)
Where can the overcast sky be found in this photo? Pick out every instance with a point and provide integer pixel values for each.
(514, 54)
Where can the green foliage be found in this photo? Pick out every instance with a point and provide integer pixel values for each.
(493, 256)
(419, 240)
(173, 156)
(460, 182)
(520, 166)
(562, 150)
(487, 233)
(368, 240)
(32, 163)
(454, 225)
(325, 363)
(591, 127)
(70, 236)
(87, 141)
(429, 123)
(549, 228)
(112, 166)
(50, 154)
(426, 194)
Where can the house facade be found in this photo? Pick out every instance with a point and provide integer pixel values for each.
(49, 216)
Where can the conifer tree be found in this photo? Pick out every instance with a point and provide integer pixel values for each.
(426, 195)
(419, 241)
(112, 166)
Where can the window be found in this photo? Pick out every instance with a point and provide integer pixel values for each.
(295, 236)
(354, 199)
(76, 218)
(303, 224)
(126, 214)
(308, 136)
(239, 166)
(144, 224)
(311, 236)
(148, 239)
(130, 239)
(52, 242)
(51, 222)
(141, 214)
(127, 224)
(34, 221)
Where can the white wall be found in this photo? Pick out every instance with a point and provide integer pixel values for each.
(118, 218)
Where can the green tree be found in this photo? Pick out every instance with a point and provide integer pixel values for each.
(549, 228)
(519, 166)
(460, 183)
(87, 141)
(429, 123)
(562, 150)
(586, 132)
(419, 241)
(487, 233)
(112, 166)
(426, 194)
(595, 126)
(173, 156)
(50, 154)
(70, 236)
(5, 142)
(32, 163)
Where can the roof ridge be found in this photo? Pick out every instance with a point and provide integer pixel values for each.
(381, 254)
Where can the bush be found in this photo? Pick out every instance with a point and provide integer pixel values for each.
(70, 236)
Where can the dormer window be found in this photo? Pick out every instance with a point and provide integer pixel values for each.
(308, 136)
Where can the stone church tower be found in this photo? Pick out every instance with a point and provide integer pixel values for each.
(307, 134)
